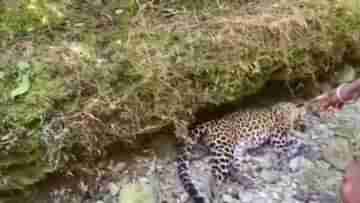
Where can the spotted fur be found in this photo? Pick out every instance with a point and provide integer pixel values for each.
(246, 129)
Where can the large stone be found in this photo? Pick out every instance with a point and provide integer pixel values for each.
(338, 153)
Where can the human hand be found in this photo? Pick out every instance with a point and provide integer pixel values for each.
(350, 188)
(330, 102)
(335, 99)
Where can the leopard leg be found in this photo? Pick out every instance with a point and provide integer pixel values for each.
(287, 147)
(183, 169)
(240, 156)
(249, 143)
(287, 144)
(221, 156)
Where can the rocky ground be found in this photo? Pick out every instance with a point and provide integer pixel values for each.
(312, 177)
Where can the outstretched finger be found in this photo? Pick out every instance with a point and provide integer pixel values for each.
(322, 97)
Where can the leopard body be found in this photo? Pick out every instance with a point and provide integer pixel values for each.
(245, 129)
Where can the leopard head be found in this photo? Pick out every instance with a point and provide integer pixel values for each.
(298, 114)
(307, 114)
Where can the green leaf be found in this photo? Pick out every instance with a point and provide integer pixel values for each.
(23, 87)
(23, 66)
(24, 78)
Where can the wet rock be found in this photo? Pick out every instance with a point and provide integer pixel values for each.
(320, 178)
(262, 200)
(312, 153)
(266, 161)
(228, 199)
(246, 197)
(338, 153)
(270, 176)
(355, 143)
(300, 163)
(346, 122)
(296, 163)
(327, 197)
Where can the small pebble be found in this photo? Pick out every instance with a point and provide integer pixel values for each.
(296, 163)
(228, 198)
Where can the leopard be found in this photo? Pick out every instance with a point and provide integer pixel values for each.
(245, 129)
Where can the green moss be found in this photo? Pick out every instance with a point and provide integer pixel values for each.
(35, 14)
(19, 177)
(25, 109)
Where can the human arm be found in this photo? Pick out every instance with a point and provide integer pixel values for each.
(350, 186)
(345, 93)
(350, 91)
